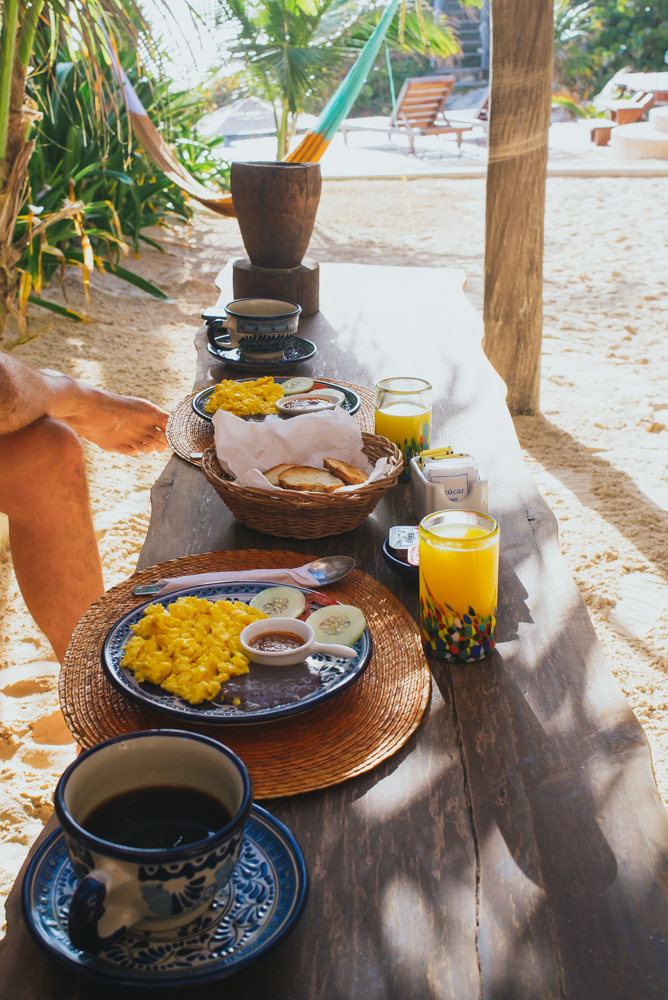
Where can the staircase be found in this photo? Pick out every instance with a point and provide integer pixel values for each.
(472, 29)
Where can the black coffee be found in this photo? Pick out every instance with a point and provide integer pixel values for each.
(157, 817)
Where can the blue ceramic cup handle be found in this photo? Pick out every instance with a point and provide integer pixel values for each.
(92, 925)
(212, 330)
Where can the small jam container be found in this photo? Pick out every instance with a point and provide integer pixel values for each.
(402, 538)
(293, 406)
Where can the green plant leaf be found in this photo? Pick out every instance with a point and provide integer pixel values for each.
(125, 275)
(152, 243)
(56, 308)
(134, 279)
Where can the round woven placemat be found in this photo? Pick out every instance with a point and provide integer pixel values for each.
(343, 737)
(187, 432)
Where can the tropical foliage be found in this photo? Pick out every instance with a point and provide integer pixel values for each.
(296, 51)
(633, 32)
(575, 26)
(74, 188)
(595, 39)
(95, 164)
(79, 28)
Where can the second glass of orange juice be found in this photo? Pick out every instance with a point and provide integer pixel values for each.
(459, 573)
(403, 414)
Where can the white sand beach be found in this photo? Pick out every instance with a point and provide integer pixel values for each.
(598, 451)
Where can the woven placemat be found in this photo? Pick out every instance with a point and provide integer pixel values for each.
(187, 432)
(345, 736)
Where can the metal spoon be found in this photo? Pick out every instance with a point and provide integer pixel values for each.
(325, 571)
(332, 568)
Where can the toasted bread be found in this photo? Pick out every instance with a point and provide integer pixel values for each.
(303, 477)
(348, 473)
(273, 473)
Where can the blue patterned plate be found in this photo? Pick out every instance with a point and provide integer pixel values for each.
(351, 403)
(266, 693)
(250, 916)
(296, 351)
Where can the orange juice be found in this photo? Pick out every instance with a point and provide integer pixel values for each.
(459, 570)
(403, 414)
(407, 425)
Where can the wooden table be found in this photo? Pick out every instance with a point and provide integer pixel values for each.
(517, 846)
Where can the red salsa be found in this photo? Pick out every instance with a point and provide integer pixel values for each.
(304, 404)
(276, 642)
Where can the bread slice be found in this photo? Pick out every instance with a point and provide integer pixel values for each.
(273, 474)
(348, 473)
(303, 477)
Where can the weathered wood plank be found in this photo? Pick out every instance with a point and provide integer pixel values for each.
(367, 874)
(545, 730)
(517, 847)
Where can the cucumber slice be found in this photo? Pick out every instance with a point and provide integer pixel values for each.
(340, 623)
(298, 384)
(280, 602)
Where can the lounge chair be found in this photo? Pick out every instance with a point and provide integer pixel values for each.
(599, 129)
(475, 117)
(627, 112)
(419, 105)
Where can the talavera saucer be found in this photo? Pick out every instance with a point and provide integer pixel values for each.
(251, 915)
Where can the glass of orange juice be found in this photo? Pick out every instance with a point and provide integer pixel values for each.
(459, 579)
(403, 414)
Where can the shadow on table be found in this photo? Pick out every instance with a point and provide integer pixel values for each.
(552, 765)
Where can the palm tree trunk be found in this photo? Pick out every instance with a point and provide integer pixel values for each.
(16, 116)
(282, 135)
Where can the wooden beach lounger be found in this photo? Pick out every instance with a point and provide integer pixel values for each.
(420, 102)
(627, 112)
(474, 117)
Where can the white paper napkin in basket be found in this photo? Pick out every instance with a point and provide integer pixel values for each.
(247, 448)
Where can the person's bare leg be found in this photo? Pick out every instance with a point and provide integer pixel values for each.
(43, 491)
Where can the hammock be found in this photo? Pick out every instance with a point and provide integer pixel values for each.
(309, 150)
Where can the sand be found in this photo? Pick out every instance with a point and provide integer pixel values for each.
(598, 452)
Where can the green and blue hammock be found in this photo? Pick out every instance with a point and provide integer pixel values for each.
(309, 150)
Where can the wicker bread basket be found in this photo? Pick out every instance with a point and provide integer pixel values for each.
(291, 514)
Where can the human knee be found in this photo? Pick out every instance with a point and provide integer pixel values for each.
(38, 461)
(53, 444)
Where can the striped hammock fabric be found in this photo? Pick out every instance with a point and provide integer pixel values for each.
(337, 109)
(309, 150)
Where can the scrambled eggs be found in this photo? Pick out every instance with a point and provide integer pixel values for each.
(191, 647)
(257, 396)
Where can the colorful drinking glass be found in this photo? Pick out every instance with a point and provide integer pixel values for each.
(459, 578)
(403, 414)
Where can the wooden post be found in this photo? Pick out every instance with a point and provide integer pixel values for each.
(519, 115)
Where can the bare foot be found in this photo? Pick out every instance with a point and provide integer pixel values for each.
(123, 424)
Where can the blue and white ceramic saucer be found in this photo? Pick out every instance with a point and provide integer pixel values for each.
(295, 351)
(250, 916)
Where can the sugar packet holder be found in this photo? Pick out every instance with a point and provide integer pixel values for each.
(462, 492)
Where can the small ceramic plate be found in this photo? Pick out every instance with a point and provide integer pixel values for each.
(296, 351)
(265, 694)
(350, 404)
(250, 916)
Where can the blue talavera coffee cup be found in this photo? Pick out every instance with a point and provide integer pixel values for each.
(260, 328)
(122, 887)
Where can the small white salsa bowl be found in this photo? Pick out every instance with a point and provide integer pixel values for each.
(289, 656)
(325, 402)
